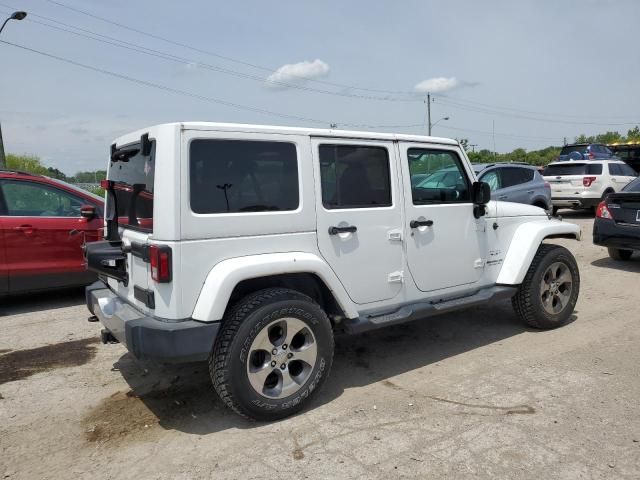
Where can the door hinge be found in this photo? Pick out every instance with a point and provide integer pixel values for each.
(396, 277)
(395, 235)
(479, 263)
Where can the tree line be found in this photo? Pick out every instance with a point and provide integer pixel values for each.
(548, 154)
(33, 164)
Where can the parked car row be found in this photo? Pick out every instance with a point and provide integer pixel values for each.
(43, 225)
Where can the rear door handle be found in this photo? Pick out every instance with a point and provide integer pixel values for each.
(26, 229)
(348, 229)
(502, 197)
(420, 223)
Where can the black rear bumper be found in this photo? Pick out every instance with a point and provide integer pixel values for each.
(608, 233)
(150, 338)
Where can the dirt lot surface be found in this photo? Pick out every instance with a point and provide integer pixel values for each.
(466, 395)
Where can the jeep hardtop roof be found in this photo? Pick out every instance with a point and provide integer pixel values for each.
(281, 130)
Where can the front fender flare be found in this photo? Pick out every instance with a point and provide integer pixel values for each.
(524, 245)
(224, 276)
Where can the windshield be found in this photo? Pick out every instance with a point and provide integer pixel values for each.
(573, 148)
(133, 189)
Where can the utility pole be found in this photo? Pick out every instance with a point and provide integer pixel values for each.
(14, 16)
(473, 147)
(429, 113)
(3, 160)
(493, 123)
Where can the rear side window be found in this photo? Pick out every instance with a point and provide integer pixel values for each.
(628, 171)
(230, 176)
(354, 176)
(572, 169)
(512, 176)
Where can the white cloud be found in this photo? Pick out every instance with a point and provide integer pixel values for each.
(298, 72)
(437, 84)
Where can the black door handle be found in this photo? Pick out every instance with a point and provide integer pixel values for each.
(337, 230)
(420, 223)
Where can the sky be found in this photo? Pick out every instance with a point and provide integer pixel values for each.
(531, 71)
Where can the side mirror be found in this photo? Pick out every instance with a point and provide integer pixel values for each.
(480, 196)
(88, 212)
(480, 193)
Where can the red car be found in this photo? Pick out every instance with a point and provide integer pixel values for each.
(43, 224)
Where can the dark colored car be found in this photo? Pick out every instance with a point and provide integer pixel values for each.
(617, 223)
(628, 153)
(586, 151)
(43, 225)
(515, 182)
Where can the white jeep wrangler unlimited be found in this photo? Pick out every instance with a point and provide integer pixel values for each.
(251, 246)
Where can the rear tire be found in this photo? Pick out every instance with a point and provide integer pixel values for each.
(554, 211)
(273, 352)
(549, 292)
(620, 254)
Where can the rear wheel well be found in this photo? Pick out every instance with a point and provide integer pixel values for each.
(540, 203)
(308, 283)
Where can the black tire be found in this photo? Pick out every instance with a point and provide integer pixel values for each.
(528, 300)
(229, 360)
(554, 211)
(620, 254)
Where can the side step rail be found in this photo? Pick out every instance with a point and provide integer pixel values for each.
(374, 320)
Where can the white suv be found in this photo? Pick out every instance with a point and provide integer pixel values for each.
(251, 246)
(584, 184)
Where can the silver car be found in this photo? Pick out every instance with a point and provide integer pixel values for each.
(515, 182)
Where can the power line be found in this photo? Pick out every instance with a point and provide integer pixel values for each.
(497, 107)
(506, 135)
(195, 95)
(214, 54)
(182, 60)
(413, 96)
(491, 111)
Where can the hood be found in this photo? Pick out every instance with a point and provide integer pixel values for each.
(512, 209)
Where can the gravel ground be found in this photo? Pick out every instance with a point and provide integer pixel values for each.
(466, 395)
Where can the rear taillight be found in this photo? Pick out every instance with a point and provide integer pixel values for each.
(547, 185)
(587, 181)
(160, 261)
(591, 156)
(602, 211)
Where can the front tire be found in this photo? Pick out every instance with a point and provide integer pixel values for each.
(273, 352)
(620, 254)
(549, 292)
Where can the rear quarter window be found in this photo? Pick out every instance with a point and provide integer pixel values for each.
(235, 176)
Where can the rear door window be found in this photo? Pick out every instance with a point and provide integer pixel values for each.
(614, 169)
(354, 176)
(512, 176)
(133, 179)
(240, 176)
